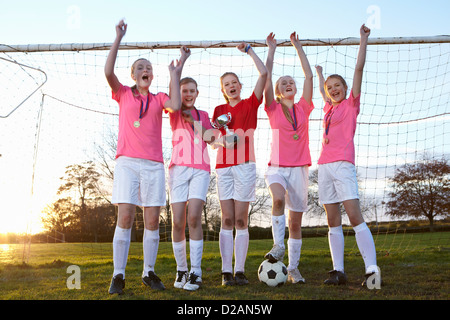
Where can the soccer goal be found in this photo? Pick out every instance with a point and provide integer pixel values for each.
(57, 115)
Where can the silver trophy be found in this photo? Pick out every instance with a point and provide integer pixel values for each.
(230, 139)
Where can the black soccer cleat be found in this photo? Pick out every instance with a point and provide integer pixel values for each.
(336, 278)
(227, 279)
(117, 284)
(152, 281)
(240, 278)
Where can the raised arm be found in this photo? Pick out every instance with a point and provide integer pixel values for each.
(361, 61)
(321, 83)
(260, 84)
(121, 29)
(268, 89)
(308, 84)
(175, 69)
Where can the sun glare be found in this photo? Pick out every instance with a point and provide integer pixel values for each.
(20, 220)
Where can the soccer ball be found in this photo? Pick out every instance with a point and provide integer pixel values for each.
(272, 274)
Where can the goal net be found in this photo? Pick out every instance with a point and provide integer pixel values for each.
(57, 116)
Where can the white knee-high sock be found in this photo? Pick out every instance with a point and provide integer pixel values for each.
(294, 252)
(150, 247)
(366, 246)
(226, 249)
(179, 252)
(121, 246)
(336, 241)
(279, 229)
(240, 249)
(195, 253)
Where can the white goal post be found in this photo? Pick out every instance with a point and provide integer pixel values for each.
(217, 44)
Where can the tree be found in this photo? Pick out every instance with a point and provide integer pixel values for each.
(58, 216)
(106, 154)
(80, 182)
(211, 209)
(81, 179)
(314, 207)
(80, 209)
(420, 189)
(262, 203)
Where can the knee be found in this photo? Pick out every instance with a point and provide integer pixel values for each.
(278, 204)
(177, 225)
(295, 226)
(125, 221)
(227, 223)
(241, 224)
(353, 212)
(194, 222)
(152, 223)
(356, 221)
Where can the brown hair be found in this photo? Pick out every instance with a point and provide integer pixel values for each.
(188, 80)
(335, 76)
(221, 82)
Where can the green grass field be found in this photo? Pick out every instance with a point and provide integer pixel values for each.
(413, 267)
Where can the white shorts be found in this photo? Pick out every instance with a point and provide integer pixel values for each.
(295, 181)
(237, 182)
(337, 182)
(187, 183)
(140, 182)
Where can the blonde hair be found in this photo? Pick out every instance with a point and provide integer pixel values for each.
(277, 88)
(133, 67)
(278, 97)
(221, 82)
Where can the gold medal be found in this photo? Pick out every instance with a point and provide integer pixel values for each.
(137, 123)
(295, 136)
(326, 140)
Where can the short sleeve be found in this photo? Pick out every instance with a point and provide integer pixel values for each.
(116, 95)
(271, 108)
(306, 107)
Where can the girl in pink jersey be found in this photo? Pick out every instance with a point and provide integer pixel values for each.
(139, 171)
(189, 177)
(337, 174)
(287, 174)
(236, 169)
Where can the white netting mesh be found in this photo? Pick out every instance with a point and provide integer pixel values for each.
(72, 118)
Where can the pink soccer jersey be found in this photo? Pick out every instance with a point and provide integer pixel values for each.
(339, 126)
(141, 140)
(290, 142)
(189, 149)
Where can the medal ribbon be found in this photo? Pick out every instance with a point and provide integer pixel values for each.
(328, 121)
(294, 125)
(198, 116)
(192, 125)
(141, 114)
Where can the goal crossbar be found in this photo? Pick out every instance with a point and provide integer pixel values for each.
(218, 44)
